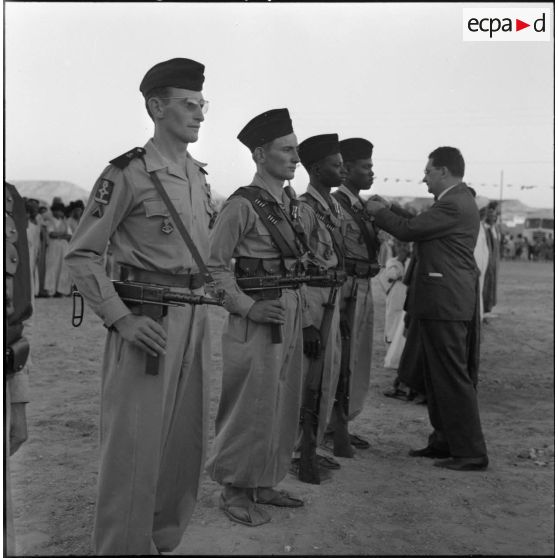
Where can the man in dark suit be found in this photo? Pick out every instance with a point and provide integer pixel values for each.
(443, 297)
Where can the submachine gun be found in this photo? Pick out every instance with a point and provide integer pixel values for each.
(271, 283)
(148, 300)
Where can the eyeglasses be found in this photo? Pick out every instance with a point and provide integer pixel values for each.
(191, 104)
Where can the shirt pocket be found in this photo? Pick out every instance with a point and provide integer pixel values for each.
(264, 235)
(158, 219)
(158, 208)
(351, 231)
(324, 244)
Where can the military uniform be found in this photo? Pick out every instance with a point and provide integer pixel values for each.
(260, 401)
(17, 308)
(316, 223)
(359, 267)
(153, 427)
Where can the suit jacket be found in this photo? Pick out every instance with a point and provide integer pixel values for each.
(444, 281)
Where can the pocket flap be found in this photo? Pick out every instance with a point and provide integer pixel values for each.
(272, 267)
(158, 208)
(247, 267)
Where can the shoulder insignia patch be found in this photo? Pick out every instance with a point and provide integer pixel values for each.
(104, 191)
(125, 159)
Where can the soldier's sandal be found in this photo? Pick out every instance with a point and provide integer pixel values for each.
(279, 498)
(237, 509)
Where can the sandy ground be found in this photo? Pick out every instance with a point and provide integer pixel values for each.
(380, 502)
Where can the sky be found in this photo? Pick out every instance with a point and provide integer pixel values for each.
(398, 74)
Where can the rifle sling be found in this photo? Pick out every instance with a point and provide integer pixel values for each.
(181, 228)
(284, 236)
(334, 232)
(346, 204)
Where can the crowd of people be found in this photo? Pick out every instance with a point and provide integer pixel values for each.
(518, 247)
(295, 276)
(49, 231)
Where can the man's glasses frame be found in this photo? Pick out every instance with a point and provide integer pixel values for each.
(202, 103)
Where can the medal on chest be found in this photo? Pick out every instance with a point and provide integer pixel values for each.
(167, 227)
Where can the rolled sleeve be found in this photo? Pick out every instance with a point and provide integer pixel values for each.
(227, 233)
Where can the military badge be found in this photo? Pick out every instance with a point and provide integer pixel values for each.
(104, 191)
(102, 196)
(167, 227)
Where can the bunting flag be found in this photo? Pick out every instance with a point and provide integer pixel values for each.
(483, 184)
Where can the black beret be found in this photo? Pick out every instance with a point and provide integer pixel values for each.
(355, 148)
(177, 72)
(266, 127)
(316, 148)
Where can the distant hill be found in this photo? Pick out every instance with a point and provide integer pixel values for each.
(46, 190)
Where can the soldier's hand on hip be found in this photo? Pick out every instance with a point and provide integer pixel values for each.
(143, 332)
(267, 312)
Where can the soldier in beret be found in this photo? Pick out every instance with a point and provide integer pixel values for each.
(153, 425)
(320, 216)
(361, 257)
(258, 413)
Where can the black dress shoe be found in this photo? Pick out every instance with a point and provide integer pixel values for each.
(430, 452)
(464, 463)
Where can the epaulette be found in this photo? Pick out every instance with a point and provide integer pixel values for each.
(125, 159)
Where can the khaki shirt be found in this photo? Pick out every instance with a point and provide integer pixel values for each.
(355, 246)
(133, 218)
(319, 238)
(239, 232)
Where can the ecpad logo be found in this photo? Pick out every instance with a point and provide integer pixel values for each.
(506, 24)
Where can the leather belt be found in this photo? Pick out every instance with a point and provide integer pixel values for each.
(361, 269)
(185, 280)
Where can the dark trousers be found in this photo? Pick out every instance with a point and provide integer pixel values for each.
(451, 387)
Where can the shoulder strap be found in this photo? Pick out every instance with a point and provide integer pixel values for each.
(371, 244)
(122, 161)
(181, 228)
(274, 219)
(325, 218)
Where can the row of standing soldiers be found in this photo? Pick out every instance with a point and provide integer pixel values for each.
(295, 274)
(295, 278)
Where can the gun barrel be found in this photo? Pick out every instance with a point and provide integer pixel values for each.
(331, 279)
(186, 298)
(146, 293)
